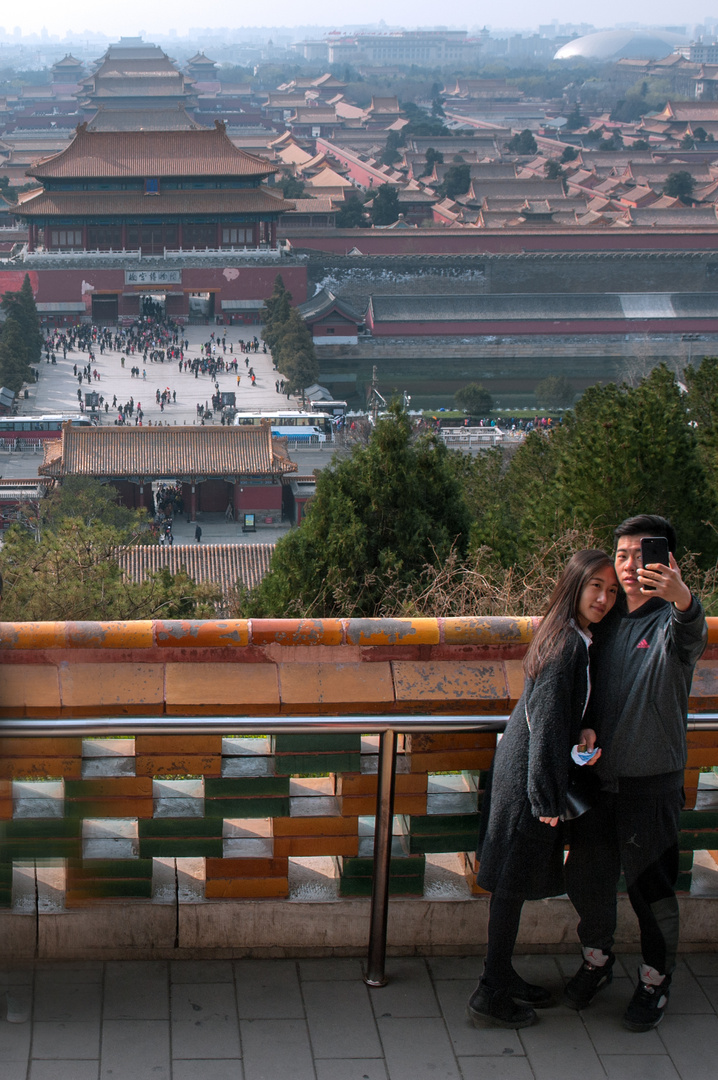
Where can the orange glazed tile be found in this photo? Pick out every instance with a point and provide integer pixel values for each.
(259, 888)
(452, 761)
(116, 787)
(514, 673)
(111, 684)
(450, 740)
(109, 635)
(178, 765)
(305, 847)
(704, 689)
(365, 805)
(177, 744)
(487, 630)
(392, 632)
(69, 746)
(366, 784)
(34, 686)
(202, 633)
(5, 800)
(237, 685)
(712, 630)
(247, 868)
(32, 635)
(313, 826)
(479, 685)
(41, 768)
(702, 757)
(297, 632)
(335, 684)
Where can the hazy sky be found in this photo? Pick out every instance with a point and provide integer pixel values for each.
(131, 16)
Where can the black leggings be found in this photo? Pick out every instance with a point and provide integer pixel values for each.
(504, 920)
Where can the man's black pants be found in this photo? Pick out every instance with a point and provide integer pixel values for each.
(635, 828)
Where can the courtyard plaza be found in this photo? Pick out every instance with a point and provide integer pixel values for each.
(315, 1019)
(56, 390)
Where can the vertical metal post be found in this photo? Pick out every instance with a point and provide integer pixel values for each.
(382, 855)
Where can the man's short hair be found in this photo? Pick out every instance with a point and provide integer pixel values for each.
(647, 525)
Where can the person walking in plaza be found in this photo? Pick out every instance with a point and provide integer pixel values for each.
(642, 669)
(198, 534)
(521, 841)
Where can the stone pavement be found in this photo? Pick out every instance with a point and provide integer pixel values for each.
(56, 389)
(314, 1019)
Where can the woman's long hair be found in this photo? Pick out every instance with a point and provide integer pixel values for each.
(555, 627)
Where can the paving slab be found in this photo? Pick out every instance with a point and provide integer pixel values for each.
(268, 989)
(559, 1048)
(74, 1069)
(207, 1070)
(66, 1001)
(204, 1021)
(135, 1050)
(495, 1068)
(136, 990)
(628, 1067)
(350, 1069)
(409, 991)
(275, 1048)
(466, 1039)
(54, 1039)
(691, 1043)
(417, 1049)
(340, 1018)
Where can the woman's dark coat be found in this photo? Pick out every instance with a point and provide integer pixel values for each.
(520, 855)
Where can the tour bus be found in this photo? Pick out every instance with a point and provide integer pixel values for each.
(297, 425)
(47, 426)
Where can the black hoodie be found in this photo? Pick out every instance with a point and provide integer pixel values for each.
(641, 671)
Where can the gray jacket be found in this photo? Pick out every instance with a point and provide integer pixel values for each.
(641, 672)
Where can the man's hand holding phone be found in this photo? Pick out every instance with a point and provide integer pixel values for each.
(660, 573)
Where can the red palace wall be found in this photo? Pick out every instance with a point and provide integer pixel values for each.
(507, 242)
(227, 283)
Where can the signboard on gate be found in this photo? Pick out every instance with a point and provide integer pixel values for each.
(153, 277)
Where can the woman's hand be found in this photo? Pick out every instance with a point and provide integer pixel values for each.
(588, 738)
(552, 821)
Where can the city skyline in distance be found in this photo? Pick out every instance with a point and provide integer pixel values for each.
(73, 20)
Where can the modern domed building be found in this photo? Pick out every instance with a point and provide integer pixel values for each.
(607, 45)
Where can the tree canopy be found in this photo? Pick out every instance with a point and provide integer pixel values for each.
(63, 562)
(20, 337)
(474, 398)
(377, 519)
(679, 185)
(554, 392)
(523, 143)
(385, 208)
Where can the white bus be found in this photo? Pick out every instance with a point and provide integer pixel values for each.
(297, 425)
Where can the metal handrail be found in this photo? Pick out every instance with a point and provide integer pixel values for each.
(387, 726)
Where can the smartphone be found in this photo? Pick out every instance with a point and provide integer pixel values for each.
(654, 549)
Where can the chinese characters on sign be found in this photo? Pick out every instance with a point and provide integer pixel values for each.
(153, 277)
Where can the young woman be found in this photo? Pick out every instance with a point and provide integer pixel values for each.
(521, 841)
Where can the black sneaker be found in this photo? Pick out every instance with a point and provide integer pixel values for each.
(498, 1008)
(588, 980)
(528, 994)
(646, 1007)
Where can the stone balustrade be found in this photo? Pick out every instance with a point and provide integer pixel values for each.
(143, 844)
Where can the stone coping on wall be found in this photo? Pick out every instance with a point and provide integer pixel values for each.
(266, 666)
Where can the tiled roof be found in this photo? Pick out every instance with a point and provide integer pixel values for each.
(161, 452)
(104, 154)
(324, 302)
(219, 564)
(176, 119)
(217, 201)
(545, 306)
